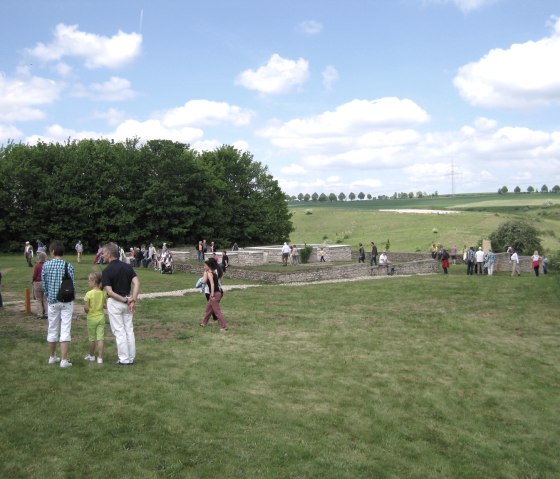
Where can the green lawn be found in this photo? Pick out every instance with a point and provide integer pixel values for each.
(362, 221)
(403, 377)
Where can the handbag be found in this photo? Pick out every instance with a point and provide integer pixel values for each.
(66, 293)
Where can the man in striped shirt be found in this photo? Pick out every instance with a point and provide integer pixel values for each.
(59, 314)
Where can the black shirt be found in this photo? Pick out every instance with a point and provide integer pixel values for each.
(119, 276)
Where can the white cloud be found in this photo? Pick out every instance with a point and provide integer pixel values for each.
(20, 96)
(63, 69)
(9, 132)
(366, 183)
(310, 27)
(330, 77)
(358, 123)
(97, 51)
(114, 89)
(293, 169)
(112, 116)
(279, 75)
(153, 129)
(524, 75)
(205, 112)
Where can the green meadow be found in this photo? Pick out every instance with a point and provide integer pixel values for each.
(400, 377)
(354, 222)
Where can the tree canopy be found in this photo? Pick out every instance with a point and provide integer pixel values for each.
(518, 234)
(132, 193)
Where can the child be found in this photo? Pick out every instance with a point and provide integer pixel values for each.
(94, 301)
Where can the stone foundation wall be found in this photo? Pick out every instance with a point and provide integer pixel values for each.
(348, 271)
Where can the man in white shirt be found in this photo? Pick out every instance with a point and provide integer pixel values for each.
(515, 264)
(286, 250)
(479, 256)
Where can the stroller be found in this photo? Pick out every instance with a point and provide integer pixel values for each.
(166, 263)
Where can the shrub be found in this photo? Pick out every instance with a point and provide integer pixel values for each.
(305, 253)
(518, 234)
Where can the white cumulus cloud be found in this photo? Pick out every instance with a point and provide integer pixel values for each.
(114, 89)
(97, 51)
(20, 97)
(523, 75)
(206, 112)
(279, 75)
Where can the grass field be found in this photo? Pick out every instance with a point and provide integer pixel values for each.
(354, 222)
(403, 377)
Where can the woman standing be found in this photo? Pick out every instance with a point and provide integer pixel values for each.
(444, 260)
(536, 259)
(210, 278)
(37, 285)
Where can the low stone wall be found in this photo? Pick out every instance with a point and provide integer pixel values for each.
(347, 271)
(256, 255)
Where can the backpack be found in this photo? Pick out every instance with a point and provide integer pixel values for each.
(66, 293)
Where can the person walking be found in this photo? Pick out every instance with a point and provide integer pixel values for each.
(515, 263)
(470, 261)
(59, 313)
(121, 284)
(361, 254)
(37, 285)
(210, 279)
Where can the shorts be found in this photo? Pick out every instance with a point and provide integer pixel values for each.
(96, 329)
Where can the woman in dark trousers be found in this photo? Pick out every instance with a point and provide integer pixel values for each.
(210, 279)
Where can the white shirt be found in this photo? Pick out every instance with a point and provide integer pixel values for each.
(383, 258)
(515, 258)
(479, 256)
(286, 249)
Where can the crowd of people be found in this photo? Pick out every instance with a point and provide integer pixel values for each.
(112, 291)
(116, 288)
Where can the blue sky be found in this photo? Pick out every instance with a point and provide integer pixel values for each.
(372, 96)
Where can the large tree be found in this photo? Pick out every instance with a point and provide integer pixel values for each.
(96, 190)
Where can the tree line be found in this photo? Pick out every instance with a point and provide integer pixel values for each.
(361, 195)
(544, 189)
(133, 193)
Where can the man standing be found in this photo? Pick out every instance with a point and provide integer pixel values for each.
(59, 314)
(285, 254)
(479, 255)
(28, 253)
(515, 264)
(118, 279)
(79, 250)
(470, 261)
(373, 259)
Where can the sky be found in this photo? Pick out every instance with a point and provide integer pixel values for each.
(373, 96)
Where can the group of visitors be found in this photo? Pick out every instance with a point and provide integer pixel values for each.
(115, 288)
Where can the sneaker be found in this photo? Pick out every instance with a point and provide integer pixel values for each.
(54, 360)
(223, 330)
(89, 358)
(65, 363)
(99, 360)
(120, 363)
